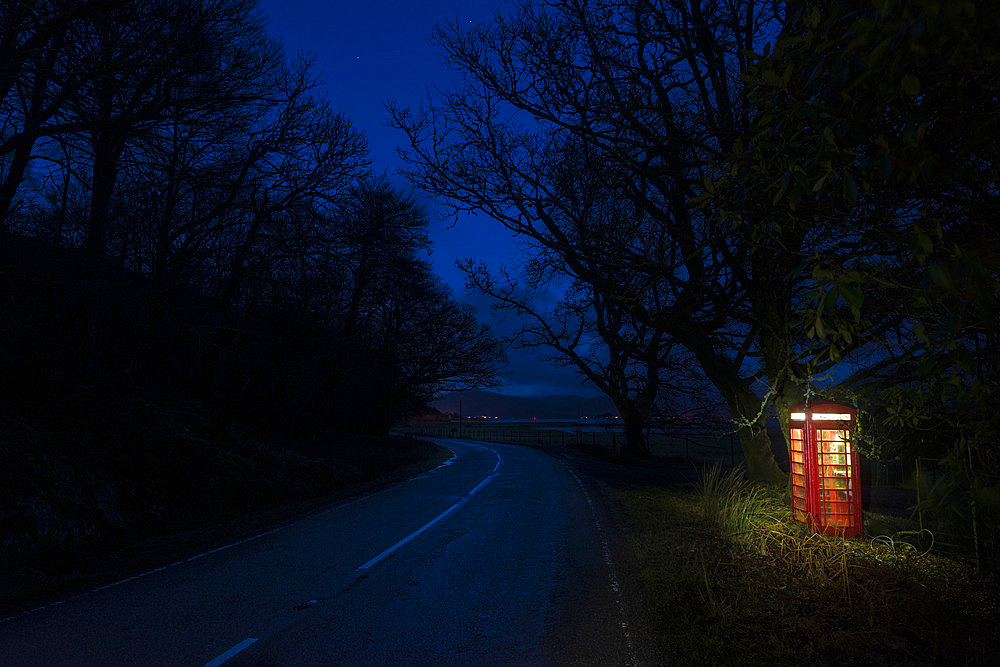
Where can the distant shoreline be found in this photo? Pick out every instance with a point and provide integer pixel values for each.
(582, 421)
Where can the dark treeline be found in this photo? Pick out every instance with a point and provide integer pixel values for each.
(209, 304)
(182, 215)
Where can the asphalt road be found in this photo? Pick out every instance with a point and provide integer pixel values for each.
(499, 556)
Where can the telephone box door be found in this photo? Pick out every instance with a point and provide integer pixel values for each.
(825, 470)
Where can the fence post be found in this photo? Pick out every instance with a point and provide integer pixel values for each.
(972, 506)
(920, 511)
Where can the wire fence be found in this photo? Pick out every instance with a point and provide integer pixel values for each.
(699, 446)
(959, 502)
(952, 503)
(883, 473)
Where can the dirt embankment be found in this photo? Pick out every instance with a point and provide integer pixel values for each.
(79, 506)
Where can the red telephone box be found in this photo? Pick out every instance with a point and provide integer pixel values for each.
(826, 475)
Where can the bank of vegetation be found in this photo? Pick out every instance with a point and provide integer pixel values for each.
(730, 578)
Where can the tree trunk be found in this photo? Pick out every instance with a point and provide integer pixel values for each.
(633, 419)
(756, 444)
(749, 414)
(107, 151)
(13, 179)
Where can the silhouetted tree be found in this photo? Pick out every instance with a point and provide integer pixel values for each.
(383, 229)
(425, 343)
(421, 341)
(131, 69)
(622, 356)
(619, 356)
(648, 97)
(308, 157)
(42, 68)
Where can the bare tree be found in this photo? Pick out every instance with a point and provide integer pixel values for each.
(399, 338)
(156, 62)
(299, 169)
(620, 356)
(649, 97)
(41, 70)
(382, 228)
(426, 343)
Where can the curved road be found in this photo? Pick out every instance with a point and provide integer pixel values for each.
(500, 555)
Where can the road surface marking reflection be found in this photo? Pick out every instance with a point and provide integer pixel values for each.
(246, 643)
(440, 517)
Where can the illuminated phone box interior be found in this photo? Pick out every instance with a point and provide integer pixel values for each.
(825, 470)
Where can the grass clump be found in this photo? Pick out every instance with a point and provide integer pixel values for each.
(730, 502)
(731, 578)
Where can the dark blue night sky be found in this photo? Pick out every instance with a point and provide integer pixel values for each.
(374, 51)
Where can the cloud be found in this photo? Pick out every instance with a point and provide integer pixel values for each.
(542, 390)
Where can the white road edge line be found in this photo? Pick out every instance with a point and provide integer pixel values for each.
(440, 517)
(630, 658)
(144, 574)
(246, 643)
